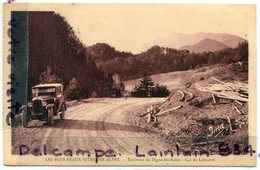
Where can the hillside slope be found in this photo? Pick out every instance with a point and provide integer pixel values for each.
(177, 79)
(200, 123)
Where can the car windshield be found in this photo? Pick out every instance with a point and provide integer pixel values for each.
(47, 91)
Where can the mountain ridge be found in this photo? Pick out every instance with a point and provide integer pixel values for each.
(178, 40)
(205, 45)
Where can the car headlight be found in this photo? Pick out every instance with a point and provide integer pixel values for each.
(44, 103)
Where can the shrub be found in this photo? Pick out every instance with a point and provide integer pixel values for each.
(160, 91)
(118, 89)
(72, 91)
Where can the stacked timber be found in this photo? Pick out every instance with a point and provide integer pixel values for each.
(236, 91)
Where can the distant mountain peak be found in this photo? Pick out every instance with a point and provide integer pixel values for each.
(204, 45)
(208, 40)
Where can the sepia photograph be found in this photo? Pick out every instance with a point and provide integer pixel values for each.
(131, 84)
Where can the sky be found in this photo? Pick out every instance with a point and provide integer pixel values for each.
(129, 27)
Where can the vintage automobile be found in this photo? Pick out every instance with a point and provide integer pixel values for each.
(47, 104)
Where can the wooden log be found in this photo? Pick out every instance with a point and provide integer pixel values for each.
(245, 85)
(241, 104)
(157, 108)
(154, 119)
(225, 94)
(166, 111)
(190, 94)
(149, 116)
(233, 98)
(238, 110)
(218, 80)
(214, 99)
(242, 95)
(219, 87)
(182, 95)
(187, 85)
(225, 88)
(148, 111)
(230, 125)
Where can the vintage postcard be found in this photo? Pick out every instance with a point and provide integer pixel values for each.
(130, 84)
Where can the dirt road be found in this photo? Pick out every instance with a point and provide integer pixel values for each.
(94, 124)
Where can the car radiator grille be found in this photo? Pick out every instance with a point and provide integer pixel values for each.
(37, 106)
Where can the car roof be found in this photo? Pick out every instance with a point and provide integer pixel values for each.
(48, 85)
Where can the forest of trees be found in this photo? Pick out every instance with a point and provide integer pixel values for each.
(56, 54)
(160, 60)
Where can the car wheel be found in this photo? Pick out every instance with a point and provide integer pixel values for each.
(50, 117)
(62, 115)
(25, 118)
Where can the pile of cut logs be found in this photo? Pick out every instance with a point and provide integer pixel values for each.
(236, 91)
(153, 112)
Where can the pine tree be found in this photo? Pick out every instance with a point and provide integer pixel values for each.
(48, 77)
(144, 89)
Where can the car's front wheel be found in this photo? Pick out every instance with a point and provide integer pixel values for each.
(50, 117)
(62, 115)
